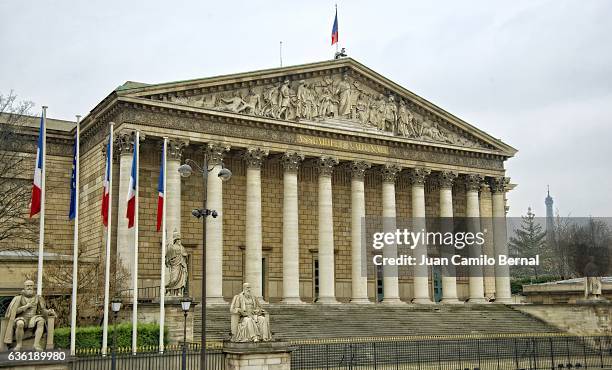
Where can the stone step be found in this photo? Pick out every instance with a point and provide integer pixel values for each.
(340, 321)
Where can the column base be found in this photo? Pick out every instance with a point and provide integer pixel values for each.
(392, 301)
(360, 301)
(422, 301)
(503, 300)
(210, 301)
(327, 300)
(292, 300)
(451, 301)
(477, 300)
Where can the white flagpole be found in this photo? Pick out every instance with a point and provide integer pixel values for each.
(135, 270)
(41, 228)
(108, 246)
(162, 284)
(75, 247)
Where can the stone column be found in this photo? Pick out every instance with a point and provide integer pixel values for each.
(173, 185)
(327, 288)
(502, 273)
(390, 273)
(421, 273)
(124, 147)
(449, 273)
(486, 227)
(472, 213)
(359, 271)
(253, 252)
(291, 239)
(214, 226)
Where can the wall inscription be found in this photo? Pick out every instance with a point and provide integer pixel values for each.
(341, 144)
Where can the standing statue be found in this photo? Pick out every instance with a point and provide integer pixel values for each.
(270, 98)
(176, 261)
(592, 280)
(344, 97)
(27, 312)
(327, 102)
(249, 322)
(390, 114)
(405, 121)
(252, 102)
(284, 100)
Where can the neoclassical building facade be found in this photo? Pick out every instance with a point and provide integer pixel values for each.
(313, 149)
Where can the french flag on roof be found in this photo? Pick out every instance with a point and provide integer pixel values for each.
(160, 190)
(131, 198)
(335, 29)
(106, 192)
(35, 203)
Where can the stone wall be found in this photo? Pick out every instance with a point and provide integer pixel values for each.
(579, 319)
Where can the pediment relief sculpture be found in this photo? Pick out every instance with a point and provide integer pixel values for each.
(335, 98)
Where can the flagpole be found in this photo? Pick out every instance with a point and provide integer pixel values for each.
(337, 42)
(135, 269)
(75, 248)
(162, 284)
(108, 244)
(41, 228)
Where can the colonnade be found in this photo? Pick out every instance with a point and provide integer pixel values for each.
(325, 166)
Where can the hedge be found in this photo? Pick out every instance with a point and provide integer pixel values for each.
(90, 337)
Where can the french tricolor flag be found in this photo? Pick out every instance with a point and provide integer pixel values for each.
(106, 193)
(160, 189)
(335, 29)
(131, 198)
(35, 203)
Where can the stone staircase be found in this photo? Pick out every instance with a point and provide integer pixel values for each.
(312, 321)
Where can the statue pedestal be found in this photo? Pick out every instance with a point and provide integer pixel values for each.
(260, 355)
(148, 312)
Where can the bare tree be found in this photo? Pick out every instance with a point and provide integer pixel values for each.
(90, 294)
(15, 185)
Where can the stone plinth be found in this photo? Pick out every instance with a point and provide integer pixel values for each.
(148, 312)
(257, 356)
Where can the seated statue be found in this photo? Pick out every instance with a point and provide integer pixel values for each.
(250, 323)
(27, 312)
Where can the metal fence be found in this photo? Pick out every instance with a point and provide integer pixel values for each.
(553, 352)
(169, 360)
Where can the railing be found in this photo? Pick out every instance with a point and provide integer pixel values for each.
(169, 359)
(510, 352)
(552, 352)
(144, 293)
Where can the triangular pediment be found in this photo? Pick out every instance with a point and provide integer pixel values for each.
(340, 93)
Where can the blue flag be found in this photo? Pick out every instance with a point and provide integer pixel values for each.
(73, 199)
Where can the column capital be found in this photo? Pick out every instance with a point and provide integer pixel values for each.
(254, 157)
(446, 179)
(175, 148)
(389, 172)
(484, 187)
(473, 181)
(291, 161)
(215, 152)
(124, 142)
(358, 169)
(499, 184)
(326, 165)
(418, 175)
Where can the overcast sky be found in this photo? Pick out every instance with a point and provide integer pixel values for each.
(536, 74)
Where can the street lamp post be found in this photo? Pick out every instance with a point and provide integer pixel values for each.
(224, 174)
(115, 306)
(185, 304)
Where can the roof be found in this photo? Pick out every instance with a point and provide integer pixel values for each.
(34, 122)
